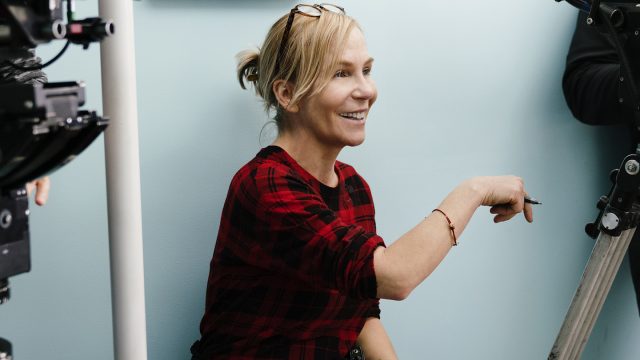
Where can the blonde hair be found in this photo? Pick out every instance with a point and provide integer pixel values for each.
(311, 54)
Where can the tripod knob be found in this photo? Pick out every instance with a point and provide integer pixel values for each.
(5, 349)
(602, 202)
(592, 230)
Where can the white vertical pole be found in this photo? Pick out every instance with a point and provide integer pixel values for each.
(123, 182)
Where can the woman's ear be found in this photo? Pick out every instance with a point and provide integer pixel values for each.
(283, 90)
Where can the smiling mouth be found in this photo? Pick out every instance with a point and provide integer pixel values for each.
(354, 115)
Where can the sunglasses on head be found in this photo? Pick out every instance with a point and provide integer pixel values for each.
(314, 10)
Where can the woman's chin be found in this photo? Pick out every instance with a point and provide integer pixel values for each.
(356, 142)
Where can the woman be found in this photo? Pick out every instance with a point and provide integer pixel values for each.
(298, 268)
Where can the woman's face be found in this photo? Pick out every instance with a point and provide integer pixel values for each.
(336, 116)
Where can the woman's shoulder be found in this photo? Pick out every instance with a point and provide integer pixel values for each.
(350, 176)
(269, 163)
(345, 168)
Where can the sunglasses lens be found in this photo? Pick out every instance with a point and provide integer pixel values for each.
(333, 8)
(309, 10)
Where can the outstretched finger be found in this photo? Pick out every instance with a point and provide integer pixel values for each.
(504, 217)
(528, 212)
(42, 190)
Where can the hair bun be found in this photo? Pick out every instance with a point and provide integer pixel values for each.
(248, 62)
(253, 76)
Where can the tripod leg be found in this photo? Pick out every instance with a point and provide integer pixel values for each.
(582, 299)
(587, 302)
(618, 250)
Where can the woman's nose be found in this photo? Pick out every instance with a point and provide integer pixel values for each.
(365, 88)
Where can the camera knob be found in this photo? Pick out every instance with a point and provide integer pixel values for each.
(602, 202)
(6, 218)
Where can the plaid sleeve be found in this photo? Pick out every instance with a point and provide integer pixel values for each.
(303, 238)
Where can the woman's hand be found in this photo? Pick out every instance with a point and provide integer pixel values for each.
(41, 186)
(505, 195)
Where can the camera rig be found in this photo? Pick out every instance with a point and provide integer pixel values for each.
(41, 124)
(619, 213)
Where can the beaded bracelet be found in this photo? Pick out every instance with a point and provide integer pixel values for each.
(451, 226)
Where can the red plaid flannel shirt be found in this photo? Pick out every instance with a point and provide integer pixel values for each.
(292, 272)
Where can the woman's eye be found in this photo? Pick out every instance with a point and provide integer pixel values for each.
(341, 73)
(366, 71)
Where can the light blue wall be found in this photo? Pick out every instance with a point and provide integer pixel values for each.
(466, 88)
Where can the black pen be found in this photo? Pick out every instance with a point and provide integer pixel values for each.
(532, 201)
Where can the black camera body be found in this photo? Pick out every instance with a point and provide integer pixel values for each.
(41, 129)
(14, 238)
(41, 124)
(33, 22)
(30, 22)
